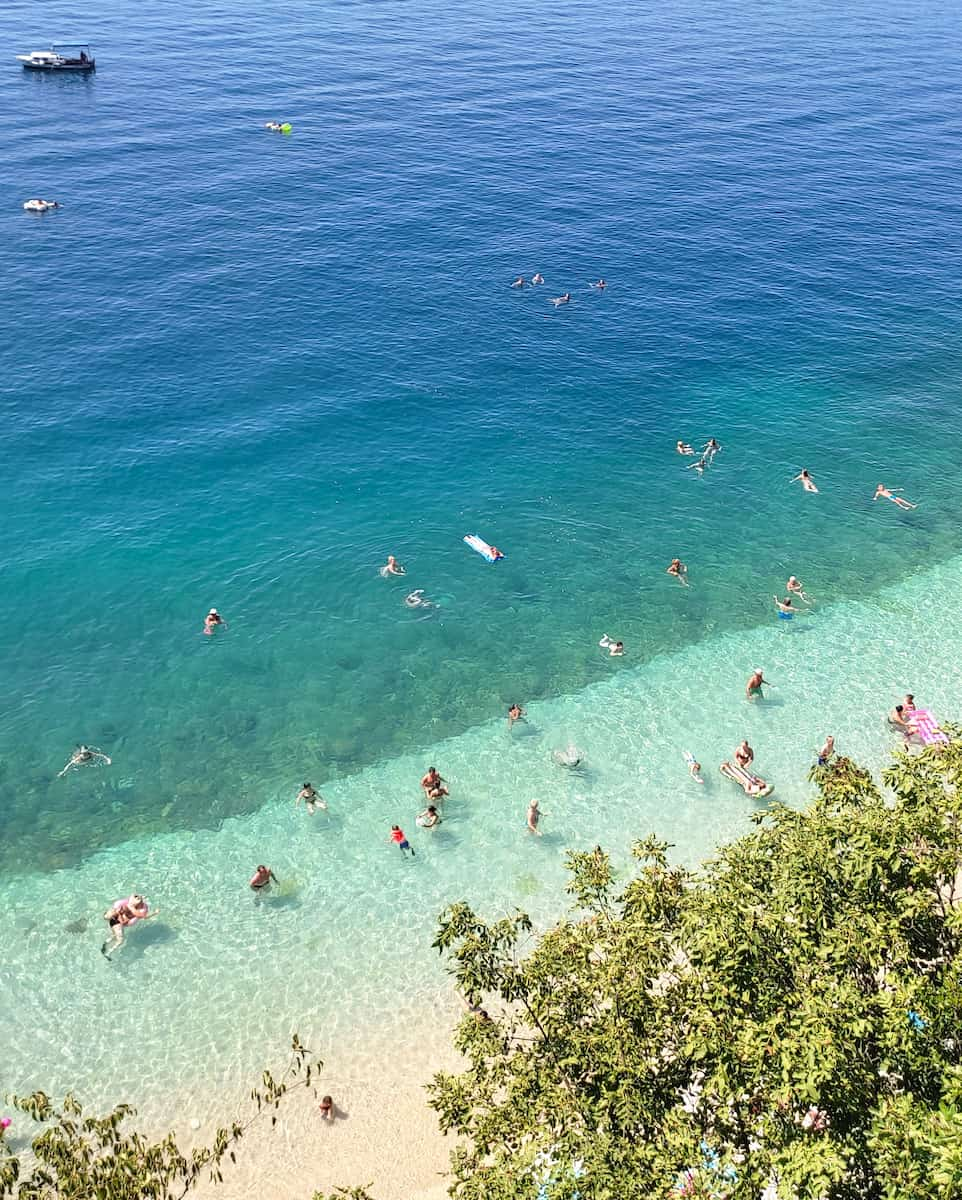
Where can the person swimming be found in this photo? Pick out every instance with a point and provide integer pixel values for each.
(694, 767)
(700, 466)
(571, 757)
(391, 567)
(519, 282)
(262, 878)
(516, 713)
(683, 447)
(559, 300)
(795, 587)
(710, 449)
(889, 494)
(807, 482)
(600, 285)
(678, 569)
(785, 609)
(120, 916)
(311, 799)
(83, 756)
(614, 648)
(429, 818)
(537, 277)
(212, 621)
(417, 599)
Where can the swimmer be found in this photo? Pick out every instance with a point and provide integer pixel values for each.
(431, 782)
(710, 449)
(392, 567)
(807, 482)
(559, 300)
(756, 683)
(83, 756)
(744, 754)
(516, 713)
(826, 751)
(519, 282)
(416, 599)
(700, 466)
(679, 570)
(614, 648)
(399, 840)
(899, 719)
(121, 915)
(311, 799)
(694, 767)
(273, 126)
(534, 816)
(429, 818)
(571, 757)
(326, 1108)
(785, 610)
(600, 285)
(684, 448)
(212, 621)
(261, 879)
(537, 277)
(795, 587)
(889, 494)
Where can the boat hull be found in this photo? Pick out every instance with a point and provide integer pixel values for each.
(49, 69)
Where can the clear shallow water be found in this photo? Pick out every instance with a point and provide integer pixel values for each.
(239, 369)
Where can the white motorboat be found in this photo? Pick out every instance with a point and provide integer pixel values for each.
(59, 58)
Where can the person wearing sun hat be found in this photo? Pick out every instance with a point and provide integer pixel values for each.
(212, 620)
(754, 686)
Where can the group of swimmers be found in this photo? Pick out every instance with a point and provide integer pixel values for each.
(565, 298)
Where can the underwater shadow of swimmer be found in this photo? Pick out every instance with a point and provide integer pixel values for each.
(138, 941)
(526, 731)
(280, 900)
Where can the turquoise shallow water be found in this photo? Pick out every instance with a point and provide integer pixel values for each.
(238, 369)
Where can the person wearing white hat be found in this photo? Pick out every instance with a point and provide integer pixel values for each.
(754, 686)
(212, 620)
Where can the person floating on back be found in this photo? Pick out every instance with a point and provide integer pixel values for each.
(889, 494)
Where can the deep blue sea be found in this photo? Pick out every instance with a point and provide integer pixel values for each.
(238, 369)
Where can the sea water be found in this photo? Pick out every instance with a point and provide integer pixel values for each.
(239, 369)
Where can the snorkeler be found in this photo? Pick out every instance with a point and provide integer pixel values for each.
(82, 757)
(519, 282)
(683, 447)
(416, 599)
(534, 816)
(311, 799)
(559, 300)
(212, 621)
(614, 648)
(679, 570)
(754, 686)
(121, 915)
(537, 277)
(392, 567)
(516, 713)
(889, 494)
(807, 482)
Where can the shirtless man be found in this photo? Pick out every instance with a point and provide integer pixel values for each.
(311, 799)
(516, 713)
(826, 751)
(899, 719)
(615, 649)
(744, 754)
(710, 449)
(559, 300)
(392, 566)
(807, 482)
(537, 278)
(534, 816)
(795, 587)
(785, 610)
(889, 494)
(83, 756)
(754, 686)
(677, 568)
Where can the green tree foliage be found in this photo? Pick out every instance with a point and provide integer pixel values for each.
(81, 1157)
(785, 1023)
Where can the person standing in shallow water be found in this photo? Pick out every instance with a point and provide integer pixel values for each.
(754, 686)
(534, 816)
(311, 799)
